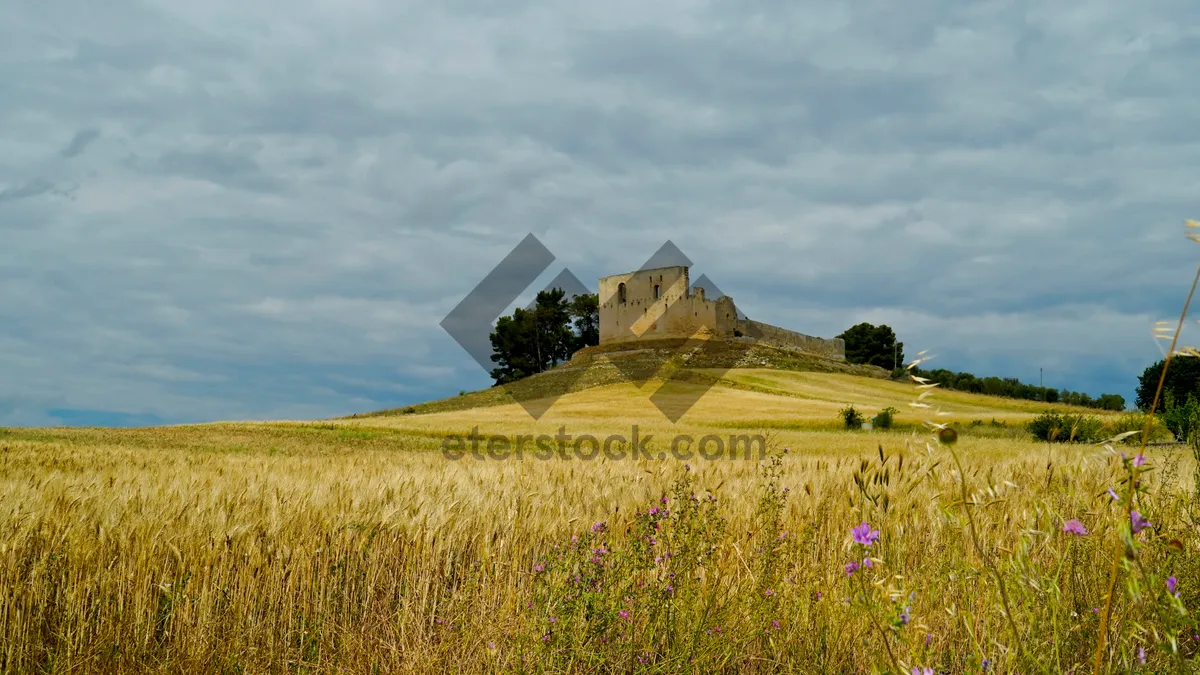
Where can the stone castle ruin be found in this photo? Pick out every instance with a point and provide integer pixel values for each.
(661, 303)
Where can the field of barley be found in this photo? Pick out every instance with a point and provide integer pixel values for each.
(357, 546)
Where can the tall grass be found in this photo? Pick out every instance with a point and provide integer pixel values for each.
(286, 556)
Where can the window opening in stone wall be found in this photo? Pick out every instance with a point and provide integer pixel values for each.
(656, 287)
(620, 293)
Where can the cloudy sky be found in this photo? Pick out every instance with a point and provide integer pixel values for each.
(262, 210)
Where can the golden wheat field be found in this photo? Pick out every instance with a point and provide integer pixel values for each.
(357, 546)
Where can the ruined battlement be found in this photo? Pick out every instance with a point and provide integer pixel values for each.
(654, 304)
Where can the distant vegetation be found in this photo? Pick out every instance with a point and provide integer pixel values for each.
(877, 346)
(1011, 387)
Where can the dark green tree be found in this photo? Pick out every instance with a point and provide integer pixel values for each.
(540, 337)
(585, 315)
(1111, 402)
(512, 347)
(873, 345)
(1183, 378)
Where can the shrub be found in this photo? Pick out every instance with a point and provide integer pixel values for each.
(1064, 428)
(1181, 419)
(883, 420)
(851, 417)
(408, 411)
(1136, 422)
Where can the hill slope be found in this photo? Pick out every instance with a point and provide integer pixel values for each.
(602, 365)
(760, 388)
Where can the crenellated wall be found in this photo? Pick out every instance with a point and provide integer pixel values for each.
(659, 303)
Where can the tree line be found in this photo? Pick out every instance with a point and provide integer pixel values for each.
(1011, 387)
(877, 346)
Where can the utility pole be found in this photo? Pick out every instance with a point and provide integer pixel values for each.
(1040, 384)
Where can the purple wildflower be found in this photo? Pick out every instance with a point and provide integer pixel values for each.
(1139, 460)
(539, 568)
(1073, 526)
(1114, 495)
(775, 623)
(598, 527)
(1171, 586)
(491, 645)
(904, 617)
(863, 534)
(867, 563)
(918, 670)
(1142, 650)
(623, 614)
(851, 568)
(1137, 522)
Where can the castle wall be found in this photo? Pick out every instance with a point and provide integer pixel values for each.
(782, 337)
(674, 313)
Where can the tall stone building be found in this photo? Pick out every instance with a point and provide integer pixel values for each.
(661, 303)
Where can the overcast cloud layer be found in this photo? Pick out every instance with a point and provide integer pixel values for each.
(233, 210)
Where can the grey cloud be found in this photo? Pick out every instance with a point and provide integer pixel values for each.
(33, 188)
(79, 142)
(229, 167)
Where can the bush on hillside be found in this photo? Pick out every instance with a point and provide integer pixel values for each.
(852, 418)
(1136, 422)
(1057, 427)
(883, 419)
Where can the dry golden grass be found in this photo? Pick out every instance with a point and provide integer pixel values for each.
(355, 546)
(790, 403)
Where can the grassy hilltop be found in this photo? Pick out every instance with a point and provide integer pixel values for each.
(353, 545)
